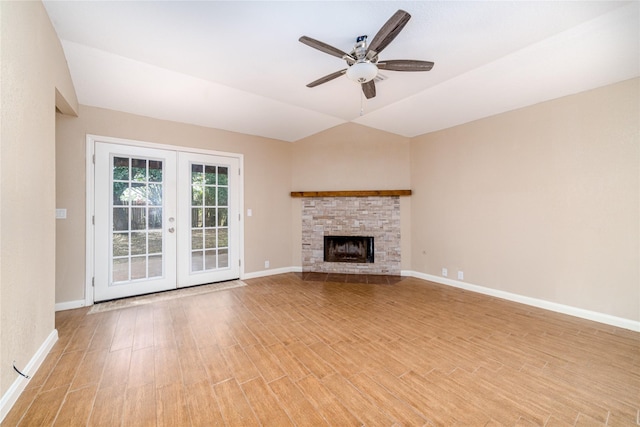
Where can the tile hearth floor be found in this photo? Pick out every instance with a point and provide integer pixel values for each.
(374, 279)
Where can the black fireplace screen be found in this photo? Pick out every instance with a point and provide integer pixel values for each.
(348, 249)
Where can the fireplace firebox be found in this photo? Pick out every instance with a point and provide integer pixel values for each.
(356, 249)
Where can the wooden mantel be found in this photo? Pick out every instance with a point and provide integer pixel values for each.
(355, 193)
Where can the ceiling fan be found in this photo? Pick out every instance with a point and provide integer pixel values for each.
(363, 62)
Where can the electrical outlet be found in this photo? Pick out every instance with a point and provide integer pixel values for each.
(460, 275)
(444, 272)
(266, 264)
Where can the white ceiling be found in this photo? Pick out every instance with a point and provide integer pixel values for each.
(238, 65)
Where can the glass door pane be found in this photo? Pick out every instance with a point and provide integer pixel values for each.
(137, 190)
(209, 217)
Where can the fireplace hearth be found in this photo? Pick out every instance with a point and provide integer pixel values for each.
(357, 249)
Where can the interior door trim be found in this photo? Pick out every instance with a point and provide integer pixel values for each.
(90, 199)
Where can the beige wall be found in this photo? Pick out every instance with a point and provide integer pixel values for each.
(266, 173)
(351, 157)
(542, 202)
(34, 79)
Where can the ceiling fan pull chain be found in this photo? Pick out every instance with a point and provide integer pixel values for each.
(361, 103)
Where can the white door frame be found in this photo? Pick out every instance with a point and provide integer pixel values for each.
(90, 200)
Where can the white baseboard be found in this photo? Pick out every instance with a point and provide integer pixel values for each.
(535, 302)
(271, 272)
(18, 386)
(70, 305)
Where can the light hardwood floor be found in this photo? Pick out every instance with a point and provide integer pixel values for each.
(287, 351)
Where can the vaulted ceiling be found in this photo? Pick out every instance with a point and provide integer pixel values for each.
(238, 65)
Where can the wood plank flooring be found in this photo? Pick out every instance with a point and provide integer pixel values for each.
(288, 350)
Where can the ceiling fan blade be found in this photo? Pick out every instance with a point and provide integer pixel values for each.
(323, 47)
(405, 65)
(369, 89)
(326, 78)
(388, 32)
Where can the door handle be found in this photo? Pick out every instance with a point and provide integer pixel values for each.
(171, 229)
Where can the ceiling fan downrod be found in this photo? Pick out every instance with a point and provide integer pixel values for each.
(360, 48)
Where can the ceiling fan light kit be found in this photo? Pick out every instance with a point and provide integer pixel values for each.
(362, 71)
(362, 61)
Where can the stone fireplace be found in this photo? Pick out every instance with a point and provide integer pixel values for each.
(347, 220)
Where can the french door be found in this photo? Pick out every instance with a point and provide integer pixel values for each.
(208, 219)
(163, 219)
